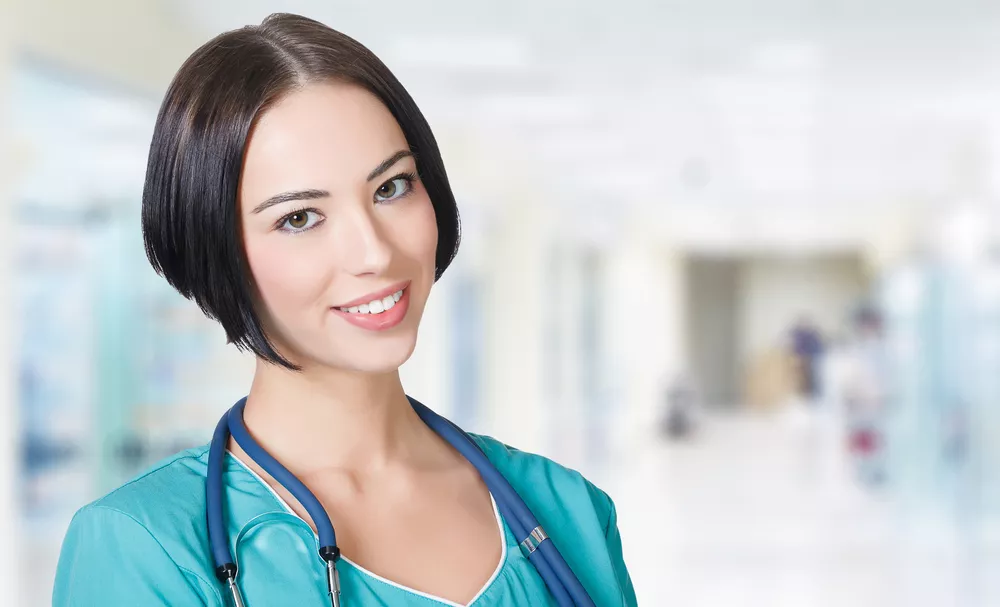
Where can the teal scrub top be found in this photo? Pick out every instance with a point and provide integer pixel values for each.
(146, 543)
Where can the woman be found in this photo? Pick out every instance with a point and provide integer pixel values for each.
(296, 193)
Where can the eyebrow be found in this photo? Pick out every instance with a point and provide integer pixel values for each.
(382, 167)
(290, 196)
(386, 164)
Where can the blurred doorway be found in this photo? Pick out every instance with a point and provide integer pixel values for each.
(712, 327)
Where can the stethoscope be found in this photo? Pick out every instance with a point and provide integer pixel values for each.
(541, 552)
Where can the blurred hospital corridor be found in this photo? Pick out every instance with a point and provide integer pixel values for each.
(736, 263)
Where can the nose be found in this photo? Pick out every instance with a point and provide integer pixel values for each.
(362, 241)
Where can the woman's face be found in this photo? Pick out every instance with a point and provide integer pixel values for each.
(338, 229)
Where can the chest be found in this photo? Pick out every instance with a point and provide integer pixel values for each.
(436, 544)
(279, 566)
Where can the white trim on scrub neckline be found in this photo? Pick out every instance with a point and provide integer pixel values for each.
(489, 582)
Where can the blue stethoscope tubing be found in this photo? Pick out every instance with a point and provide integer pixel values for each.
(562, 583)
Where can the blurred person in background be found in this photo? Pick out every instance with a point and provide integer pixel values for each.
(807, 344)
(864, 392)
(295, 192)
(681, 407)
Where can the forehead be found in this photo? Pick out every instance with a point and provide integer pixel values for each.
(323, 135)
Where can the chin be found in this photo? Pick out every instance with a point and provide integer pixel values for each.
(378, 356)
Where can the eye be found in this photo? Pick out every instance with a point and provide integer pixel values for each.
(300, 221)
(393, 189)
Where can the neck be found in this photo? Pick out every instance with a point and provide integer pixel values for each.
(320, 420)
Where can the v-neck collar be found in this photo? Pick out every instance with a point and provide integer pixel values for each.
(507, 541)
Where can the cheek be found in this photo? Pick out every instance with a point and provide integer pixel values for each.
(417, 234)
(284, 280)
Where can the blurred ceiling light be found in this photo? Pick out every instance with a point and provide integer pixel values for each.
(695, 173)
(583, 146)
(547, 109)
(788, 234)
(477, 52)
(705, 229)
(788, 57)
(964, 234)
(793, 232)
(648, 185)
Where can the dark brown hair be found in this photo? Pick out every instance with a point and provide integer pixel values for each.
(190, 222)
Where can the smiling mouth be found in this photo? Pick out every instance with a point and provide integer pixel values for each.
(376, 306)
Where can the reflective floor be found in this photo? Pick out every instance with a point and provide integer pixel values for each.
(765, 510)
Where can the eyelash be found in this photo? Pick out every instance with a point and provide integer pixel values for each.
(408, 176)
(281, 222)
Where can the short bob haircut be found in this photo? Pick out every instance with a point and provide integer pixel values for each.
(190, 224)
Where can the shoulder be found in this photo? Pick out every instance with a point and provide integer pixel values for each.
(578, 516)
(148, 527)
(539, 478)
(171, 489)
(167, 502)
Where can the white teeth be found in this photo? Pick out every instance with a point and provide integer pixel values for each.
(376, 306)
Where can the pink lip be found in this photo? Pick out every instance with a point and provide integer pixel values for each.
(379, 322)
(380, 294)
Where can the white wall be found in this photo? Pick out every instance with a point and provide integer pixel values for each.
(643, 326)
(712, 328)
(561, 340)
(516, 410)
(775, 291)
